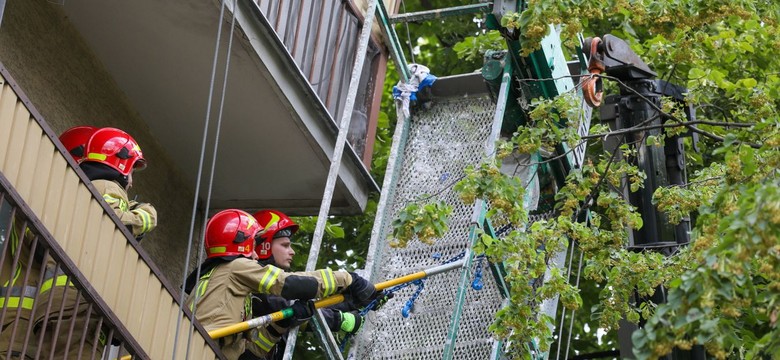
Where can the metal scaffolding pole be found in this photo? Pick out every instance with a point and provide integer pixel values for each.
(335, 160)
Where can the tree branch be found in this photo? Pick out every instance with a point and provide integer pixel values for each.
(651, 127)
(670, 116)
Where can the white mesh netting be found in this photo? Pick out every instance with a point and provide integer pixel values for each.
(442, 141)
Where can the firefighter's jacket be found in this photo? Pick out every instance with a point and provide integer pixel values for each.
(140, 218)
(224, 292)
(19, 283)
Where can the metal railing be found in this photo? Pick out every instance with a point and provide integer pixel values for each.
(322, 39)
(46, 310)
(76, 281)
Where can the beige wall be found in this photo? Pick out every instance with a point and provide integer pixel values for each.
(69, 86)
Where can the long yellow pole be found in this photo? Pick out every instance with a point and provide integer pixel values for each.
(328, 301)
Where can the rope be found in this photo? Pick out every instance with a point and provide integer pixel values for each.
(213, 165)
(214, 155)
(408, 34)
(478, 284)
(197, 181)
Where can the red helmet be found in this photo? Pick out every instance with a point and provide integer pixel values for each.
(231, 232)
(276, 225)
(115, 148)
(75, 140)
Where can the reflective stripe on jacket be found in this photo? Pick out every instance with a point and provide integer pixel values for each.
(141, 217)
(222, 301)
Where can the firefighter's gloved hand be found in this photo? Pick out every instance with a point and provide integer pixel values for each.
(267, 304)
(351, 322)
(303, 310)
(360, 292)
(382, 299)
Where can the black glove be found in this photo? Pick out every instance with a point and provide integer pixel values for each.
(263, 304)
(382, 299)
(360, 292)
(303, 310)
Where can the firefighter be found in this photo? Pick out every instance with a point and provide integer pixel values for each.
(110, 157)
(20, 286)
(75, 140)
(274, 247)
(19, 276)
(231, 273)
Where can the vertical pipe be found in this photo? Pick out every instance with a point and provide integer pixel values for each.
(64, 289)
(298, 31)
(340, 24)
(321, 75)
(73, 321)
(279, 20)
(288, 33)
(85, 333)
(350, 49)
(96, 339)
(335, 162)
(316, 41)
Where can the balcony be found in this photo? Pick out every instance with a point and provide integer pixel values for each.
(54, 223)
(290, 64)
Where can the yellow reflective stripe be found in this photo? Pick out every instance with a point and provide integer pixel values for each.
(248, 307)
(217, 249)
(61, 280)
(268, 279)
(146, 220)
(204, 283)
(13, 302)
(112, 199)
(263, 342)
(96, 156)
(14, 247)
(329, 281)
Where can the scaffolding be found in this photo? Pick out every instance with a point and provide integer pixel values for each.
(462, 118)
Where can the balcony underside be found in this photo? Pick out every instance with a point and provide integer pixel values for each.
(276, 135)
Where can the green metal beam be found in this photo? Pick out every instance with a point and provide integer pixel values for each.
(440, 13)
(480, 210)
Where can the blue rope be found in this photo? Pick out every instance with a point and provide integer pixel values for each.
(478, 284)
(409, 306)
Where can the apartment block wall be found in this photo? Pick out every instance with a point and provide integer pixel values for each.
(69, 86)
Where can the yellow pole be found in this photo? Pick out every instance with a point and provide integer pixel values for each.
(328, 301)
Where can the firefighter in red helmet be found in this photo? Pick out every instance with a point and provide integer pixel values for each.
(274, 247)
(109, 158)
(220, 289)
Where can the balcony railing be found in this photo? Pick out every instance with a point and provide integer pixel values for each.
(322, 37)
(55, 229)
